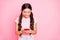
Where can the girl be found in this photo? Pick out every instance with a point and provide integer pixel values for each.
(26, 25)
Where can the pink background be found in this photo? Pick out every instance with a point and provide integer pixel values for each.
(47, 13)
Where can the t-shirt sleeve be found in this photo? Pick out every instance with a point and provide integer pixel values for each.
(35, 20)
(16, 20)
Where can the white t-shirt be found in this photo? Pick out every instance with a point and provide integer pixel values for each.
(25, 22)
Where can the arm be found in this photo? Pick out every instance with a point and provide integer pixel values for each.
(35, 29)
(18, 32)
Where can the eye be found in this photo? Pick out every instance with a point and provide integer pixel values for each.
(24, 12)
(29, 12)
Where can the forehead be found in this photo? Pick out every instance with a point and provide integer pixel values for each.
(27, 9)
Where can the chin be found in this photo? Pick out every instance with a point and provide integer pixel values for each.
(26, 16)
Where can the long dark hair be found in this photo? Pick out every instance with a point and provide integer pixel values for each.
(24, 6)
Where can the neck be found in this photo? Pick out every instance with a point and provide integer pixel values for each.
(25, 17)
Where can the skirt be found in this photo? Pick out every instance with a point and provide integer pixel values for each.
(26, 37)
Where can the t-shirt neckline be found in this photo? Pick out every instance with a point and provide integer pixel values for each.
(26, 18)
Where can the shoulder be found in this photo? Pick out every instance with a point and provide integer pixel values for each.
(35, 20)
(16, 20)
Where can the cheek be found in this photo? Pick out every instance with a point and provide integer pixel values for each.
(28, 13)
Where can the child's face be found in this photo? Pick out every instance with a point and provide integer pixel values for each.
(26, 12)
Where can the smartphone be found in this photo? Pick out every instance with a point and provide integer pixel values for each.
(26, 29)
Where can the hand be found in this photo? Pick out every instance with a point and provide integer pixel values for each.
(28, 31)
(24, 31)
